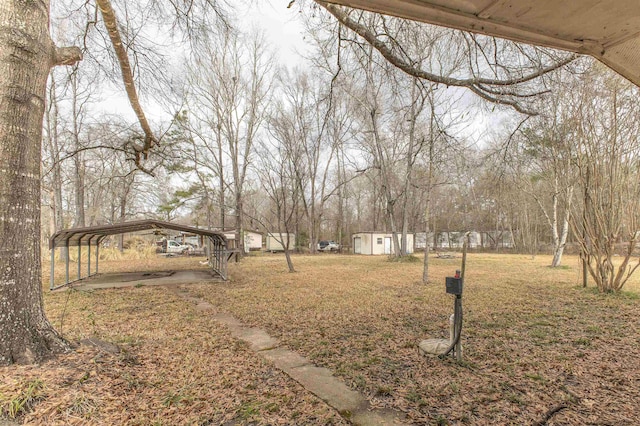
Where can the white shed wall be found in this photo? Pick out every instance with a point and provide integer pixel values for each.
(253, 240)
(373, 243)
(273, 241)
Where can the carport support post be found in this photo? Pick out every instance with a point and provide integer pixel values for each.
(97, 252)
(89, 257)
(79, 258)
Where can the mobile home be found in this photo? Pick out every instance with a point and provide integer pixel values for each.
(447, 240)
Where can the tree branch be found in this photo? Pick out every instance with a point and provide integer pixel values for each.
(474, 84)
(111, 23)
(66, 55)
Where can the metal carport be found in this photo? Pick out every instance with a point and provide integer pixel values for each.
(93, 235)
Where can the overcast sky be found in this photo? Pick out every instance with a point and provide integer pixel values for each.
(282, 26)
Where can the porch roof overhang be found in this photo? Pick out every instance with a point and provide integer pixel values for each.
(91, 234)
(608, 30)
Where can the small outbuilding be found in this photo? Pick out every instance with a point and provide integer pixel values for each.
(277, 241)
(252, 240)
(378, 243)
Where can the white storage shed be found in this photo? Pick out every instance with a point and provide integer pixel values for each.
(252, 240)
(378, 243)
(276, 241)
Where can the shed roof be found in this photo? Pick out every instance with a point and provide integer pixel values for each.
(83, 236)
(609, 30)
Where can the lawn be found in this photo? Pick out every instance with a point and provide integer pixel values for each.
(535, 342)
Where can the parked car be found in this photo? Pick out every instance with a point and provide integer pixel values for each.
(328, 246)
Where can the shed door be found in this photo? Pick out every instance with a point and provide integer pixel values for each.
(387, 245)
(357, 245)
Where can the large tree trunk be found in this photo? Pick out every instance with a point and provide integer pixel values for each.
(26, 55)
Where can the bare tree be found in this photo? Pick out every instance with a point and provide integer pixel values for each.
(545, 161)
(375, 104)
(277, 171)
(318, 121)
(231, 84)
(79, 93)
(395, 110)
(607, 162)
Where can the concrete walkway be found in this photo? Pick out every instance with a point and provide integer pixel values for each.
(317, 380)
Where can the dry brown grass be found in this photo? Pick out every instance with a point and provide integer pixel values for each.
(533, 340)
(176, 366)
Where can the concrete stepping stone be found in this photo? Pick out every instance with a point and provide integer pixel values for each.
(285, 359)
(321, 382)
(227, 320)
(374, 418)
(257, 338)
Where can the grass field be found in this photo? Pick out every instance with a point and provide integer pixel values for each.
(534, 342)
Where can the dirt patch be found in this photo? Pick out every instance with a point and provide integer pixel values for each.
(129, 279)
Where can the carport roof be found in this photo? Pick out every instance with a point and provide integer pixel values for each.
(83, 236)
(609, 30)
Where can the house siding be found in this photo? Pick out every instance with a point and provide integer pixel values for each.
(373, 243)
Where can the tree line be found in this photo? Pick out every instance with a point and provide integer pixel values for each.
(346, 142)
